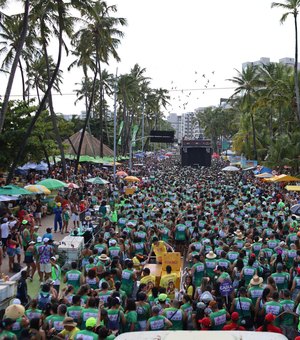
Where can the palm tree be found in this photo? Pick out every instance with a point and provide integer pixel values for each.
(104, 37)
(292, 8)
(15, 61)
(61, 18)
(249, 83)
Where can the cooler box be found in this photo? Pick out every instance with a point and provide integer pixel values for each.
(72, 246)
(173, 260)
(155, 269)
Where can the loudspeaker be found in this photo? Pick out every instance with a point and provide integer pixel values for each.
(195, 156)
(157, 136)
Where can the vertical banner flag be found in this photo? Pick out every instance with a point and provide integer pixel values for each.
(134, 132)
(120, 133)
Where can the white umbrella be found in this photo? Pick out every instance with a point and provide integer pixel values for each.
(264, 175)
(230, 168)
(4, 198)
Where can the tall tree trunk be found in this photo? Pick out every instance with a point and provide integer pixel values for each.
(41, 106)
(45, 151)
(87, 118)
(101, 109)
(254, 137)
(23, 80)
(52, 112)
(15, 64)
(296, 76)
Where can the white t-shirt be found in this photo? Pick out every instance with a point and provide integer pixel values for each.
(4, 230)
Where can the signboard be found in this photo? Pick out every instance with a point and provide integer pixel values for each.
(226, 288)
(199, 143)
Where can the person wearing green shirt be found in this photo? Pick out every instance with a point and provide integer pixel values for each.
(291, 238)
(233, 254)
(56, 320)
(73, 277)
(288, 320)
(223, 262)
(257, 245)
(128, 278)
(33, 312)
(243, 306)
(274, 307)
(295, 289)
(90, 332)
(210, 264)
(157, 322)
(197, 270)
(55, 273)
(255, 289)
(180, 232)
(291, 255)
(6, 332)
(75, 311)
(143, 310)
(113, 249)
(90, 311)
(175, 315)
(131, 324)
(249, 271)
(281, 278)
(217, 316)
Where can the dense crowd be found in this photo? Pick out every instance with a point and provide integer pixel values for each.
(229, 228)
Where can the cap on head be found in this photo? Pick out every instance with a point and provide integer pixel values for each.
(90, 322)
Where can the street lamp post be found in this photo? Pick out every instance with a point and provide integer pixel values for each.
(115, 124)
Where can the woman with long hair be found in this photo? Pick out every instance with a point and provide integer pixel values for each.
(265, 297)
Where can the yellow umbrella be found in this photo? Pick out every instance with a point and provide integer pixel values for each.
(286, 178)
(38, 189)
(293, 187)
(131, 179)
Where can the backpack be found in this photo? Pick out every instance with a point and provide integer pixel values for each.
(43, 300)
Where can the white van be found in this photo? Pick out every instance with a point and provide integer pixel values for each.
(203, 335)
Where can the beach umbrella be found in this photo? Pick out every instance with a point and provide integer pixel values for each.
(286, 178)
(13, 190)
(4, 198)
(52, 184)
(132, 179)
(264, 175)
(97, 180)
(72, 186)
(230, 168)
(121, 173)
(38, 189)
(293, 187)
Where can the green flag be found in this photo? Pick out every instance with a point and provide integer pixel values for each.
(120, 133)
(134, 132)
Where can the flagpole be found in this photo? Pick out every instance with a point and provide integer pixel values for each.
(115, 124)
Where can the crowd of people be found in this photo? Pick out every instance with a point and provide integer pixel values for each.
(231, 229)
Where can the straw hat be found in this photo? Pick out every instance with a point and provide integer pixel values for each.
(247, 245)
(88, 218)
(103, 257)
(69, 322)
(211, 255)
(256, 280)
(14, 311)
(239, 235)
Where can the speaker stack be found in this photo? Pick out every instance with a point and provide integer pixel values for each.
(196, 152)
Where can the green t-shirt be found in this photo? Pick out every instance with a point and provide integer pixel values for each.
(127, 281)
(281, 280)
(274, 308)
(73, 278)
(218, 319)
(86, 335)
(287, 319)
(210, 265)
(7, 335)
(180, 232)
(176, 317)
(57, 322)
(157, 323)
(131, 318)
(242, 306)
(88, 313)
(198, 273)
(255, 292)
(33, 313)
(75, 312)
